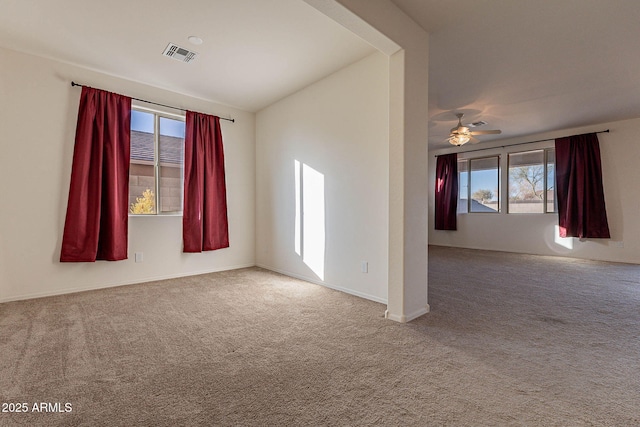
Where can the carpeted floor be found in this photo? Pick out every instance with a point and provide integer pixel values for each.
(511, 340)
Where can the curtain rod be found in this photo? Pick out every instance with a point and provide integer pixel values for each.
(521, 143)
(155, 103)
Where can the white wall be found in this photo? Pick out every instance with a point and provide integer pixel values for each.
(536, 233)
(38, 110)
(339, 127)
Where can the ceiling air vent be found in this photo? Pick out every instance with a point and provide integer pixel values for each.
(179, 53)
(476, 124)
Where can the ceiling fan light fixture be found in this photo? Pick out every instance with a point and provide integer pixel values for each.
(459, 139)
(461, 134)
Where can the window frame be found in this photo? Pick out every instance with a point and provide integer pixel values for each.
(545, 165)
(157, 114)
(468, 160)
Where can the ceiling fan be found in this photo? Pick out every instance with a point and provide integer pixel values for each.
(461, 134)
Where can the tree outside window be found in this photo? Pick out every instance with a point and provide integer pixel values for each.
(531, 187)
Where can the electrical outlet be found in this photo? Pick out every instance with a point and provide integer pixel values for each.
(364, 267)
(139, 257)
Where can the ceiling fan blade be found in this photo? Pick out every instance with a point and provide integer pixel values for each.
(473, 140)
(485, 132)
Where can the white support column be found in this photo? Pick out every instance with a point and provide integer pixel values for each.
(386, 27)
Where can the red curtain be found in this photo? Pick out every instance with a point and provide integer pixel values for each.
(581, 208)
(95, 227)
(204, 221)
(446, 192)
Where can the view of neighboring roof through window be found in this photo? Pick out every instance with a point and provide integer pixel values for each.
(157, 160)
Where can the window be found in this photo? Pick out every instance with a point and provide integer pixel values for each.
(463, 186)
(479, 184)
(157, 162)
(552, 202)
(532, 182)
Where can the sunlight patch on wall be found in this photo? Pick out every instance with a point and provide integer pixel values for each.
(310, 217)
(566, 242)
(297, 223)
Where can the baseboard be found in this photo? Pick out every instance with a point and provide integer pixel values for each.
(404, 318)
(114, 285)
(325, 284)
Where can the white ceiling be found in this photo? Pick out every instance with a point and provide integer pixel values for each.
(529, 66)
(522, 66)
(254, 53)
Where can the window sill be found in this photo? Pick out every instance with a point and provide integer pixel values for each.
(164, 215)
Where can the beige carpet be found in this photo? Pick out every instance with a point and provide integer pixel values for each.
(511, 340)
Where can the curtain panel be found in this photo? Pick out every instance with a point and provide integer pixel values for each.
(446, 200)
(581, 207)
(204, 222)
(97, 210)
